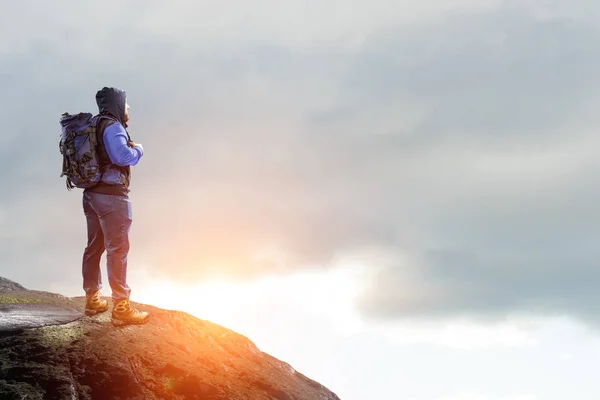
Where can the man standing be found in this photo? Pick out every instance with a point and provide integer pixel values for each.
(108, 210)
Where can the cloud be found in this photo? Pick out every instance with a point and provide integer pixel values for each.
(459, 142)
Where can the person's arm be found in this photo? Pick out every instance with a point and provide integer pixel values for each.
(116, 142)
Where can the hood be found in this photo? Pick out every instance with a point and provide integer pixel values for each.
(112, 101)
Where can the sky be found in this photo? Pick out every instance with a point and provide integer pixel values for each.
(398, 198)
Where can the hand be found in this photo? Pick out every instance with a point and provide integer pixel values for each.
(130, 143)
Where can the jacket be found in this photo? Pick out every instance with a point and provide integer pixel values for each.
(114, 153)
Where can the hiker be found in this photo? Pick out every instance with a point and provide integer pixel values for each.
(108, 210)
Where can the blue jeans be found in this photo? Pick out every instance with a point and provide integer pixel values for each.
(108, 223)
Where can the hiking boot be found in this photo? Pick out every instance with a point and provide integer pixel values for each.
(94, 304)
(124, 314)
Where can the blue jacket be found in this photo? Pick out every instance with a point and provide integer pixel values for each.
(115, 141)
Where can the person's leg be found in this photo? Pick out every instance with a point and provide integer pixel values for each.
(116, 223)
(115, 219)
(92, 277)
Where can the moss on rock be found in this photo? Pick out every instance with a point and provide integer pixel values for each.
(11, 299)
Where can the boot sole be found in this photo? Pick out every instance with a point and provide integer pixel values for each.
(118, 322)
(90, 312)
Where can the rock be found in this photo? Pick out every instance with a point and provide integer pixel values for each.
(7, 285)
(24, 316)
(23, 309)
(174, 356)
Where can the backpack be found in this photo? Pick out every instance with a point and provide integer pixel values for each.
(78, 143)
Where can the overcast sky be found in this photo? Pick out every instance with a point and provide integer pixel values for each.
(443, 156)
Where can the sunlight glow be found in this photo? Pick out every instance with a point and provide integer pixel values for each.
(324, 296)
(313, 300)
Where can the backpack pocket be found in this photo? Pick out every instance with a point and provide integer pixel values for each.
(112, 176)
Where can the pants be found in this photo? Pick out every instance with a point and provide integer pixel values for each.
(108, 224)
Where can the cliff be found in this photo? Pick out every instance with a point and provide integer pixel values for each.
(50, 350)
